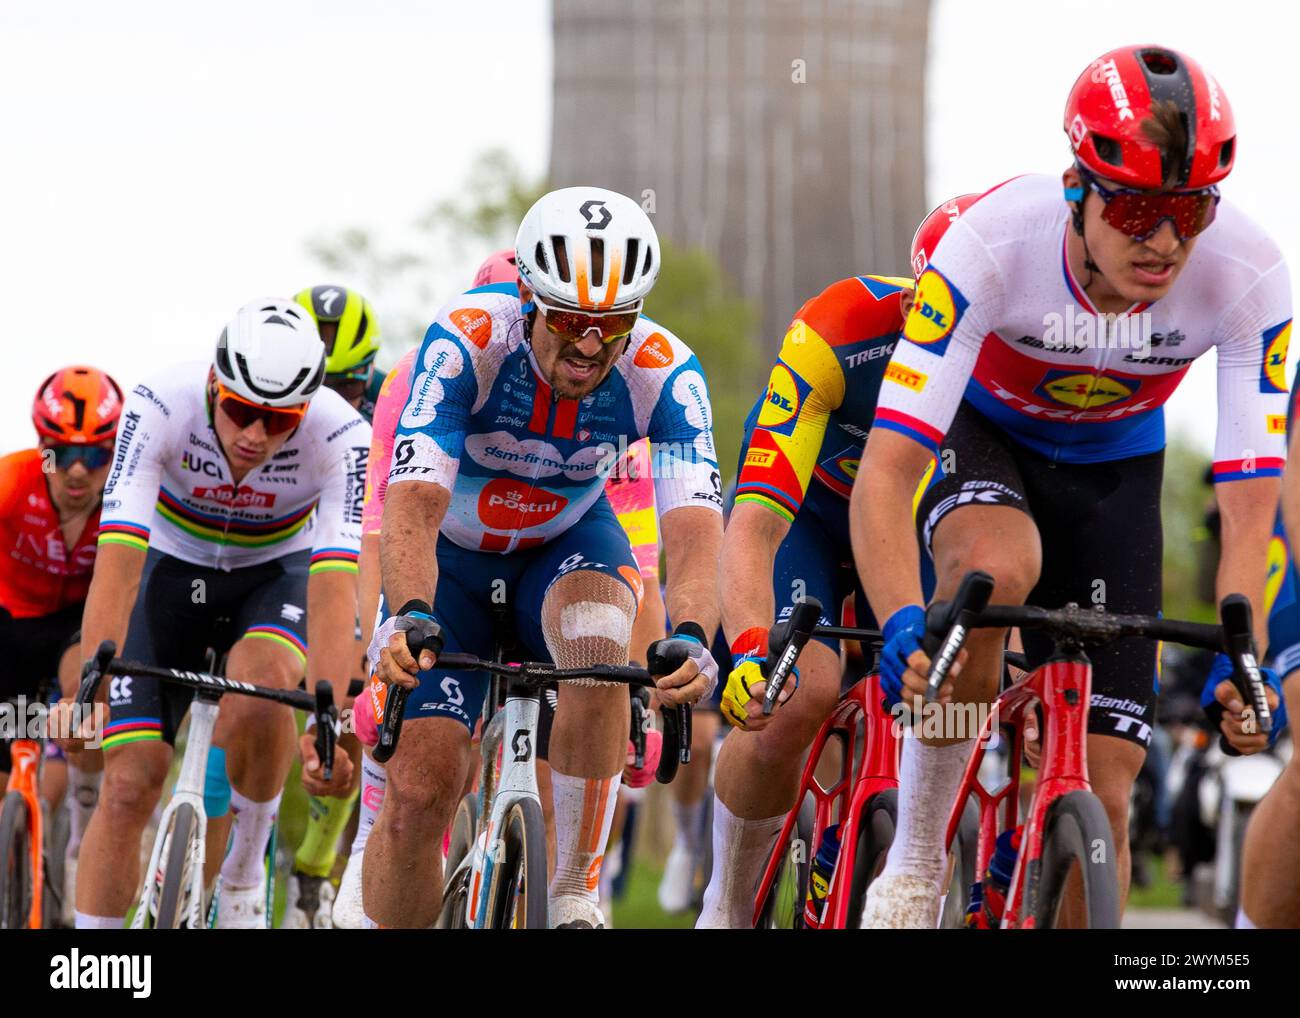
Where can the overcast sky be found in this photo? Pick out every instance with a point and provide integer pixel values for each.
(168, 162)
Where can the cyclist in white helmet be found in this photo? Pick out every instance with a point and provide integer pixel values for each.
(521, 400)
(231, 520)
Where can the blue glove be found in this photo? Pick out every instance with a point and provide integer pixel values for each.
(1221, 671)
(903, 634)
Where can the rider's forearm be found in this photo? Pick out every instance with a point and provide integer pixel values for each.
(1246, 511)
(881, 527)
(368, 586)
(331, 614)
(749, 549)
(408, 544)
(692, 539)
(113, 590)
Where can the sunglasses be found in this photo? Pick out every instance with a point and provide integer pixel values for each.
(349, 384)
(91, 456)
(574, 325)
(1138, 214)
(277, 420)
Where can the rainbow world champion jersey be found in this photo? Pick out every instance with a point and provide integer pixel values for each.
(522, 466)
(998, 305)
(170, 488)
(821, 394)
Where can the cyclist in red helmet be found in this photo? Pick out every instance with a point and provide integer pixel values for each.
(49, 519)
(1048, 330)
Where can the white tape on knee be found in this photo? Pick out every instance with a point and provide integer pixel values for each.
(592, 618)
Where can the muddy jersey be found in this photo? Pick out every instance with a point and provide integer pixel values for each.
(1000, 321)
(169, 487)
(523, 466)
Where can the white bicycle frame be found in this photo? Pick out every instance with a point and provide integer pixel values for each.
(188, 791)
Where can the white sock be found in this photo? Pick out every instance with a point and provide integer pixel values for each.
(374, 780)
(1243, 921)
(927, 782)
(584, 811)
(244, 863)
(98, 922)
(369, 924)
(690, 825)
(740, 849)
(83, 795)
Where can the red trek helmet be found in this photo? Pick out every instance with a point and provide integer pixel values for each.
(933, 227)
(497, 268)
(77, 406)
(1117, 92)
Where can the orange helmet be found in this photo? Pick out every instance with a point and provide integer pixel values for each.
(77, 406)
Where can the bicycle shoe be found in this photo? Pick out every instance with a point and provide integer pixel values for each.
(574, 912)
(308, 902)
(901, 902)
(347, 914)
(242, 908)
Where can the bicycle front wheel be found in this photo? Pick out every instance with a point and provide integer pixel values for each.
(175, 882)
(875, 835)
(783, 903)
(962, 854)
(16, 871)
(1076, 840)
(517, 899)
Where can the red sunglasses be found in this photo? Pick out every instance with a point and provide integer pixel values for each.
(277, 420)
(574, 325)
(1138, 214)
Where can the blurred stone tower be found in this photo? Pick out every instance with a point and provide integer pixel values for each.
(784, 136)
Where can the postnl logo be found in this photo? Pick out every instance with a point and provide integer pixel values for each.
(1272, 372)
(1085, 391)
(905, 376)
(655, 352)
(475, 323)
(934, 313)
(504, 504)
(781, 401)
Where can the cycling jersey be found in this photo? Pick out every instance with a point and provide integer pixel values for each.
(523, 466)
(370, 398)
(1000, 320)
(170, 486)
(38, 573)
(821, 395)
(629, 486)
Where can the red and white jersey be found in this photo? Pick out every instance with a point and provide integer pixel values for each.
(1000, 320)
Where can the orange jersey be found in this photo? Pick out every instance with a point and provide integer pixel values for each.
(38, 573)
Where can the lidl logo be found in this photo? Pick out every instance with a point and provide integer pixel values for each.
(1278, 563)
(848, 466)
(1084, 391)
(781, 402)
(1272, 372)
(935, 312)
(905, 376)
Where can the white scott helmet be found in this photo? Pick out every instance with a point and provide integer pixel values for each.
(589, 248)
(271, 353)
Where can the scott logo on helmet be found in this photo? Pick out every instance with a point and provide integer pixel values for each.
(589, 211)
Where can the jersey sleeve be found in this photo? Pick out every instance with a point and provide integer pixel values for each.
(685, 463)
(431, 430)
(631, 492)
(388, 408)
(958, 299)
(344, 455)
(1252, 390)
(131, 491)
(805, 386)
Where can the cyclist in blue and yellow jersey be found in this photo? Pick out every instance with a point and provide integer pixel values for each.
(787, 537)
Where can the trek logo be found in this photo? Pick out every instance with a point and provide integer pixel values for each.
(242, 497)
(1104, 72)
(522, 745)
(75, 971)
(873, 353)
(596, 214)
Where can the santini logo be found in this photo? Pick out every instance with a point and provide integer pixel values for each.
(76, 971)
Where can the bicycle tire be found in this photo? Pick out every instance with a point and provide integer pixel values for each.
(964, 852)
(16, 871)
(464, 831)
(875, 835)
(453, 912)
(782, 908)
(1075, 828)
(173, 889)
(519, 879)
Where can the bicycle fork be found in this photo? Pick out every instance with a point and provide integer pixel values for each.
(26, 760)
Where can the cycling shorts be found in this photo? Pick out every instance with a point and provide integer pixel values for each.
(184, 609)
(472, 585)
(1102, 540)
(31, 650)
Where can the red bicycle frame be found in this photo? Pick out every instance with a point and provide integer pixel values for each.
(847, 798)
(25, 755)
(1064, 688)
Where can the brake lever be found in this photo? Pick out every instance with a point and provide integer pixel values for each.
(326, 738)
(785, 641)
(1239, 643)
(953, 621)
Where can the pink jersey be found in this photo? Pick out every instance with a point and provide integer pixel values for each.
(630, 486)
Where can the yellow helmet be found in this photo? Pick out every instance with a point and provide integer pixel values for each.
(347, 325)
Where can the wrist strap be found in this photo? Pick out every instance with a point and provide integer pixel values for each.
(692, 629)
(751, 643)
(417, 607)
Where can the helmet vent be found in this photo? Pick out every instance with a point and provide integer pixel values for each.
(540, 256)
(277, 320)
(649, 257)
(597, 262)
(629, 265)
(1108, 150)
(561, 259)
(1159, 61)
(223, 356)
(1225, 151)
(363, 327)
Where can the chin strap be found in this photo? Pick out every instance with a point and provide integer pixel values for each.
(1074, 196)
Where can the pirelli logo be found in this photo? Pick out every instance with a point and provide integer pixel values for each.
(1277, 424)
(905, 376)
(761, 458)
